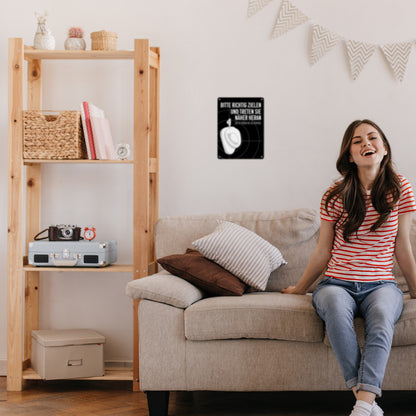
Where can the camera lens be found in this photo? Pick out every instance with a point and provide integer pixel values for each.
(67, 232)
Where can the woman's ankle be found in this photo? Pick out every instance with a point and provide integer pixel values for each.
(366, 396)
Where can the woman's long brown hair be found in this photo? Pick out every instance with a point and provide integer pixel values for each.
(384, 194)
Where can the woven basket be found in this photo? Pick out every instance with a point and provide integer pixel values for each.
(48, 136)
(103, 41)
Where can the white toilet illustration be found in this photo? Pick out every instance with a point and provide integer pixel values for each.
(230, 138)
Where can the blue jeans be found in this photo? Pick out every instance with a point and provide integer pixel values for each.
(380, 303)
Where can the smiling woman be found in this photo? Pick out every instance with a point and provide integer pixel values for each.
(365, 220)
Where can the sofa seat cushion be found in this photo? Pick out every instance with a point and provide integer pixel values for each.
(254, 315)
(404, 331)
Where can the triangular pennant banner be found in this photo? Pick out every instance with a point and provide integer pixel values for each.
(323, 40)
(359, 54)
(289, 17)
(397, 55)
(255, 5)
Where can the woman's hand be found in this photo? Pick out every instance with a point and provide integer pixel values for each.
(293, 290)
(318, 261)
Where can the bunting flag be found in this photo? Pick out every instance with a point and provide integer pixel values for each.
(359, 53)
(397, 55)
(255, 5)
(289, 17)
(323, 40)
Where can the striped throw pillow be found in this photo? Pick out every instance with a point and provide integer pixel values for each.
(242, 252)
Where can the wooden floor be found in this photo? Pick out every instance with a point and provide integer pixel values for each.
(109, 398)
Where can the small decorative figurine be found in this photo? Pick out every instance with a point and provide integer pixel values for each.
(75, 39)
(43, 37)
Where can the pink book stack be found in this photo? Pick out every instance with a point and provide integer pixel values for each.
(97, 132)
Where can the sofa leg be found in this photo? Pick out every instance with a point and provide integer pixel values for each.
(158, 403)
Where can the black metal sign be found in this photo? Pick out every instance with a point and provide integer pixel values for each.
(240, 128)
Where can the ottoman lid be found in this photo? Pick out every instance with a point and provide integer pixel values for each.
(63, 337)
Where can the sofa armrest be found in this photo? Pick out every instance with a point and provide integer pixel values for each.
(166, 288)
(162, 347)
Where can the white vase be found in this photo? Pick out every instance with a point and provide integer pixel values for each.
(75, 44)
(44, 41)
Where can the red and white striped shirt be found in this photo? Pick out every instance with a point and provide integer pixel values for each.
(369, 254)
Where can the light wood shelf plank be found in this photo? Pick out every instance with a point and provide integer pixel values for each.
(66, 54)
(37, 54)
(113, 268)
(111, 373)
(153, 162)
(84, 161)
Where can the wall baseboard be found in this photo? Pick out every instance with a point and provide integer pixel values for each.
(3, 367)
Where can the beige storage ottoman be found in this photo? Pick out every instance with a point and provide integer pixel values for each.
(59, 354)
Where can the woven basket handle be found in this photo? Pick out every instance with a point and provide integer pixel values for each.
(56, 113)
(51, 112)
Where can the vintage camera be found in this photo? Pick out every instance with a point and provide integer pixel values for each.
(64, 232)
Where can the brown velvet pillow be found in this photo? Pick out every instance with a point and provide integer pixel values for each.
(203, 273)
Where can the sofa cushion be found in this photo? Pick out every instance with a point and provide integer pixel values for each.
(404, 331)
(203, 273)
(295, 232)
(163, 287)
(255, 315)
(242, 252)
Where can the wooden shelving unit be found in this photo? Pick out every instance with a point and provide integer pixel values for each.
(23, 280)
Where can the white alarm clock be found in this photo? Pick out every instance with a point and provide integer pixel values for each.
(123, 151)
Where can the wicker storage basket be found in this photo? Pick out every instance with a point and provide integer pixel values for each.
(103, 41)
(53, 136)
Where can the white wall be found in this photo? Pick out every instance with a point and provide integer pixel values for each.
(210, 49)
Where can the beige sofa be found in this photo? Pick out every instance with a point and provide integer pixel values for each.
(265, 341)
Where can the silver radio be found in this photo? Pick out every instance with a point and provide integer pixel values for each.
(72, 253)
